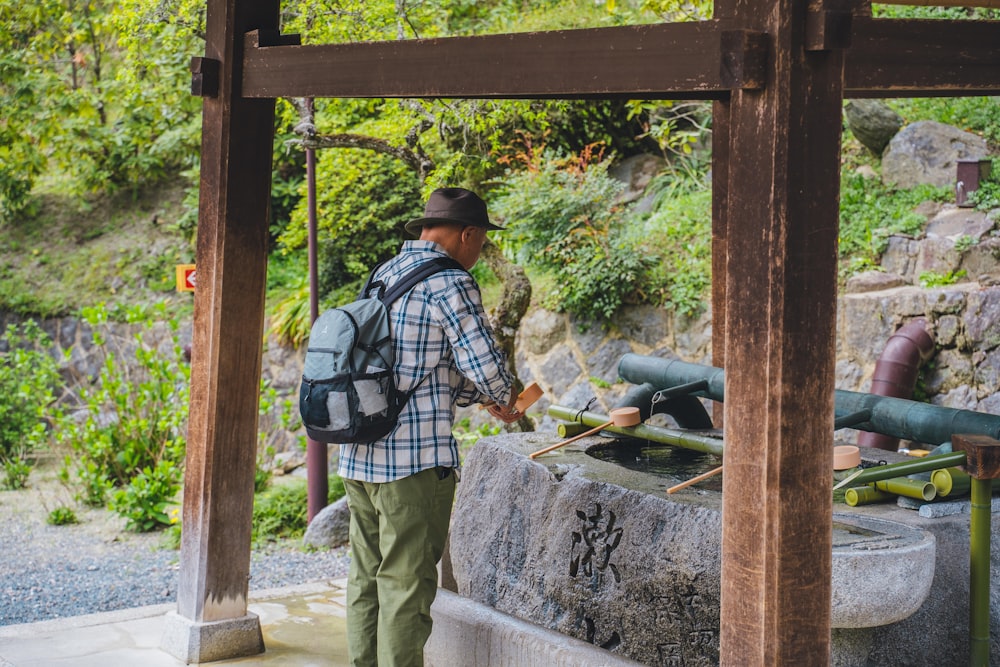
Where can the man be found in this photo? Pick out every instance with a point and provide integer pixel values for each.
(400, 489)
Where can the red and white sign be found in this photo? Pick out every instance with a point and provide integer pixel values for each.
(185, 277)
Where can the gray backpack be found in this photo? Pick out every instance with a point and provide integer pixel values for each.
(348, 391)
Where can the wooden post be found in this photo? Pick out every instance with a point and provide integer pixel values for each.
(781, 269)
(212, 622)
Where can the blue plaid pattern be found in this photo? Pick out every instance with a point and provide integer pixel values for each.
(444, 347)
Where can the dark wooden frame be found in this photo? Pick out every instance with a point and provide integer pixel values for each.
(778, 71)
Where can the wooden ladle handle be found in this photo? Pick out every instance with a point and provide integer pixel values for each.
(573, 439)
(623, 417)
(695, 480)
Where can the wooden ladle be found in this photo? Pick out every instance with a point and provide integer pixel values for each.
(619, 417)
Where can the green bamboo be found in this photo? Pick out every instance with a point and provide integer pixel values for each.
(911, 488)
(951, 482)
(979, 573)
(865, 495)
(669, 436)
(569, 429)
(903, 468)
(955, 482)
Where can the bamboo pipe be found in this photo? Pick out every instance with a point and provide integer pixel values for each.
(911, 488)
(955, 482)
(695, 480)
(693, 441)
(902, 469)
(979, 571)
(569, 429)
(865, 495)
(620, 417)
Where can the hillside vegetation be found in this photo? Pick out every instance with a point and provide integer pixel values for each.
(99, 162)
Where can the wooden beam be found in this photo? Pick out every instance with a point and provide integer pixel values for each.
(226, 348)
(668, 60)
(918, 58)
(781, 270)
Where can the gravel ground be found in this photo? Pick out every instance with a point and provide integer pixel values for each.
(51, 572)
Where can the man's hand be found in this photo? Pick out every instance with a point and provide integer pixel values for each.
(505, 413)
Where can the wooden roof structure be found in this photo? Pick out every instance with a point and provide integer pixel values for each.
(777, 71)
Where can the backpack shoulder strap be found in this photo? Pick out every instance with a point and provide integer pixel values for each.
(370, 285)
(425, 270)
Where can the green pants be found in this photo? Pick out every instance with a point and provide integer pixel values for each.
(398, 531)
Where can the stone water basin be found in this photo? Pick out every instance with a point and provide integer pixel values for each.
(599, 552)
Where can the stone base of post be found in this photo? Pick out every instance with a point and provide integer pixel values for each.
(195, 642)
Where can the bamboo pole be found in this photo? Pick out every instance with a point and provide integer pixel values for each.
(699, 443)
(902, 469)
(979, 572)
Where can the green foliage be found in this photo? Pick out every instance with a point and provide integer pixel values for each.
(62, 516)
(467, 436)
(934, 279)
(130, 443)
(939, 13)
(980, 115)
(28, 377)
(281, 511)
(364, 196)
(965, 241)
(986, 196)
(279, 416)
(677, 238)
(145, 499)
(561, 217)
(870, 213)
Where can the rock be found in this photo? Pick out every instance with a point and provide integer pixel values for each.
(900, 257)
(560, 370)
(949, 371)
(938, 256)
(980, 261)
(645, 324)
(541, 330)
(331, 527)
(962, 398)
(982, 319)
(873, 281)
(865, 171)
(636, 172)
(928, 152)
(954, 223)
(947, 328)
(603, 363)
(872, 122)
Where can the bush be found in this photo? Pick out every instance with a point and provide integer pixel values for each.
(561, 218)
(28, 376)
(281, 511)
(130, 443)
(870, 213)
(62, 516)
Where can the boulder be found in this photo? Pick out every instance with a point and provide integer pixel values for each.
(331, 527)
(873, 123)
(928, 152)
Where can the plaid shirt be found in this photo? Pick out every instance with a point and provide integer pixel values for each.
(444, 347)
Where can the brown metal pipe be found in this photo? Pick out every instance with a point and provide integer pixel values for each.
(896, 372)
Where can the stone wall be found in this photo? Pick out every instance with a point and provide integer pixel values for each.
(576, 364)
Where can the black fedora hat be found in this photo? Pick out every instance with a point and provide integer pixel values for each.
(454, 205)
